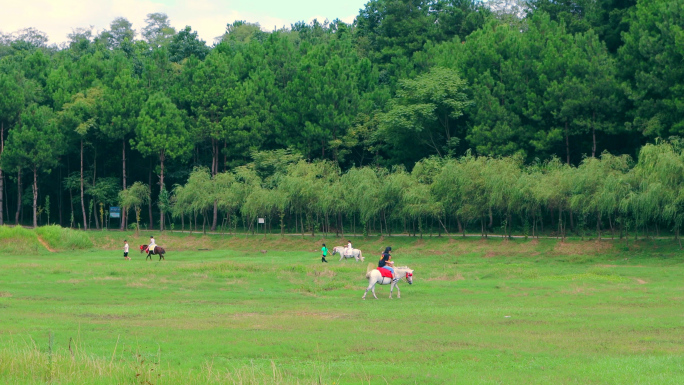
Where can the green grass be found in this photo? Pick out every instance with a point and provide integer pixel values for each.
(59, 238)
(480, 311)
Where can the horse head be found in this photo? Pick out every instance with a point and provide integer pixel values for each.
(334, 251)
(408, 273)
(143, 248)
(409, 277)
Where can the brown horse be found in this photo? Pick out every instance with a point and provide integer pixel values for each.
(157, 250)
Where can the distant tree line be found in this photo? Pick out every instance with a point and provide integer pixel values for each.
(605, 196)
(548, 84)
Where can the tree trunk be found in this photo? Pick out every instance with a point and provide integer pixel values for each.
(61, 192)
(215, 219)
(598, 225)
(214, 171)
(123, 168)
(95, 202)
(16, 217)
(35, 196)
(572, 222)
(6, 197)
(593, 135)
(2, 179)
(149, 206)
(161, 188)
(612, 230)
(85, 221)
(567, 143)
(380, 226)
(508, 223)
(443, 226)
(560, 222)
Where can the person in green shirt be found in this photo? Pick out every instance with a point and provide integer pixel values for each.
(324, 250)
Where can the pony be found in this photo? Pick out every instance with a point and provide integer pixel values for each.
(157, 250)
(342, 250)
(374, 277)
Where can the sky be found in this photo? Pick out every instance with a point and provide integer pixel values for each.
(57, 18)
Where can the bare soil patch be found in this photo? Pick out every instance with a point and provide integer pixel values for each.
(42, 242)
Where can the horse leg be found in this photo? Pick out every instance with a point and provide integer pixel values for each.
(366, 292)
(391, 288)
(398, 291)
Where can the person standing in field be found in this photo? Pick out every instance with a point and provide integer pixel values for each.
(324, 251)
(126, 250)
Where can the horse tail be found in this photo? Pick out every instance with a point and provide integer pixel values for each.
(369, 269)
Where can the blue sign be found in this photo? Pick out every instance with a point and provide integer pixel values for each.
(115, 212)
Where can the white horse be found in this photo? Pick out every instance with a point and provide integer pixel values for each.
(374, 277)
(344, 253)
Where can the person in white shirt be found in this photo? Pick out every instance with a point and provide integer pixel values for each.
(150, 248)
(126, 250)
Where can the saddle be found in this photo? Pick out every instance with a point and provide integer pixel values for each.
(385, 273)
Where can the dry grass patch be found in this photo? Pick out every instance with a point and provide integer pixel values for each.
(641, 281)
(603, 265)
(318, 315)
(582, 248)
(325, 273)
(447, 277)
(139, 285)
(5, 294)
(72, 281)
(577, 290)
(107, 278)
(22, 266)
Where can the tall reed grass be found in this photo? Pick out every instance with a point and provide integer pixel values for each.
(27, 363)
(18, 240)
(60, 238)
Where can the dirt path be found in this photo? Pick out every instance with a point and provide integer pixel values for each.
(42, 242)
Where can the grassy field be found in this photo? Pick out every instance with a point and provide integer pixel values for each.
(249, 310)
